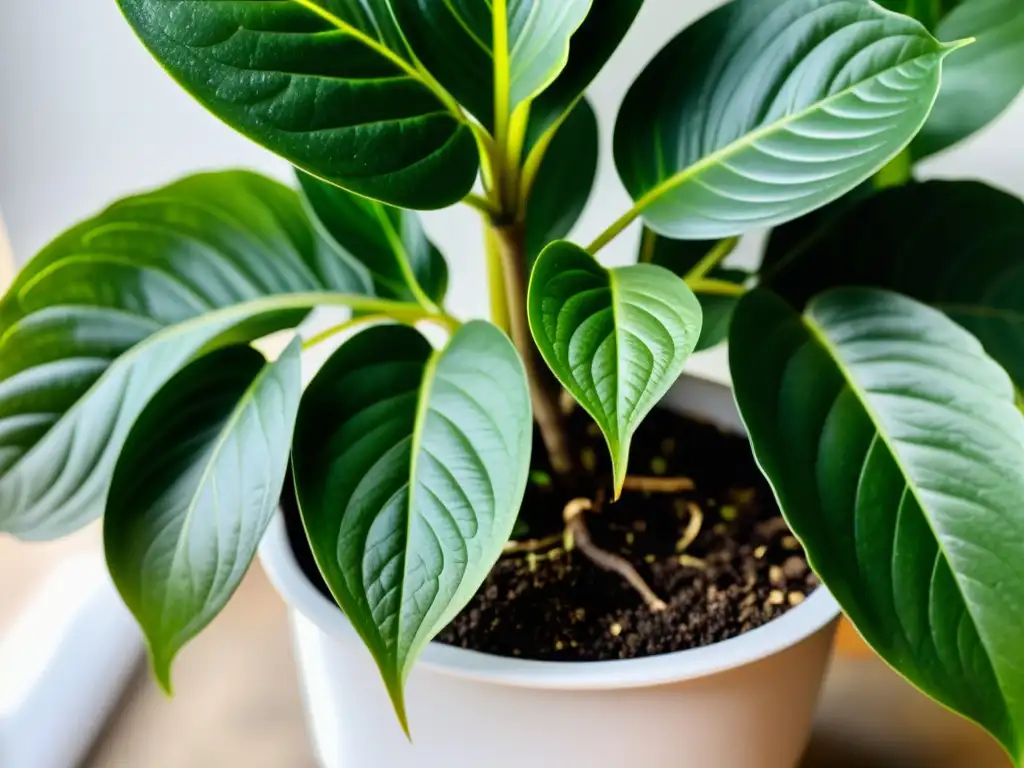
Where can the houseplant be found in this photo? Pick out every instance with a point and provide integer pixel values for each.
(130, 386)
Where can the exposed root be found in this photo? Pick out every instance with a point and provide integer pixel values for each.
(692, 528)
(532, 546)
(576, 529)
(658, 484)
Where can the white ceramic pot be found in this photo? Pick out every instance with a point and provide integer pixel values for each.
(743, 703)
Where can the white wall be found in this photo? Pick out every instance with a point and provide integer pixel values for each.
(86, 116)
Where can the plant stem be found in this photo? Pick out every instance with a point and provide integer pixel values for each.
(616, 229)
(716, 287)
(481, 204)
(634, 484)
(544, 389)
(721, 251)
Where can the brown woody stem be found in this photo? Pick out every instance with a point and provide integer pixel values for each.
(576, 526)
(532, 546)
(544, 389)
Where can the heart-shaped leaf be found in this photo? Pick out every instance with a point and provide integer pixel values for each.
(953, 244)
(492, 56)
(329, 86)
(589, 50)
(388, 241)
(979, 83)
(680, 257)
(99, 321)
(763, 111)
(895, 450)
(564, 181)
(410, 465)
(617, 339)
(195, 487)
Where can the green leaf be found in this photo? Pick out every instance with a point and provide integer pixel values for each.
(197, 483)
(589, 50)
(980, 82)
(617, 339)
(895, 449)
(763, 111)
(98, 322)
(953, 244)
(457, 42)
(680, 257)
(329, 86)
(410, 465)
(564, 181)
(928, 12)
(389, 242)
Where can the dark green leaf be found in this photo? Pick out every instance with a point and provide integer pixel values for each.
(99, 321)
(455, 40)
(410, 466)
(197, 483)
(589, 50)
(679, 257)
(895, 449)
(764, 111)
(955, 245)
(617, 339)
(329, 86)
(981, 81)
(564, 180)
(389, 242)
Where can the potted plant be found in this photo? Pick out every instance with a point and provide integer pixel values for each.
(875, 354)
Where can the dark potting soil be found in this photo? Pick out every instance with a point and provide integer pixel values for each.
(742, 569)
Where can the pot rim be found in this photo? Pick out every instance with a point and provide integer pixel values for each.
(796, 625)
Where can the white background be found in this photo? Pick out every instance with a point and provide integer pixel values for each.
(86, 116)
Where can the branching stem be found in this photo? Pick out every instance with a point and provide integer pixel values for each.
(657, 484)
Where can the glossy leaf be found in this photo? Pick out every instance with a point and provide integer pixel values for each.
(953, 244)
(328, 86)
(895, 449)
(763, 111)
(981, 81)
(564, 181)
(197, 483)
(410, 465)
(589, 50)
(617, 339)
(456, 42)
(389, 242)
(98, 322)
(679, 257)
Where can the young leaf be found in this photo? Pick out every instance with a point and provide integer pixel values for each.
(410, 466)
(98, 322)
(764, 111)
(564, 181)
(389, 242)
(679, 257)
(589, 50)
(953, 244)
(197, 483)
(502, 52)
(979, 83)
(617, 339)
(895, 449)
(328, 86)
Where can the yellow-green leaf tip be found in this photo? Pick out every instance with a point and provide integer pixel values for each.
(396, 691)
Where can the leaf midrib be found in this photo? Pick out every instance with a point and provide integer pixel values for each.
(378, 47)
(248, 397)
(748, 140)
(818, 334)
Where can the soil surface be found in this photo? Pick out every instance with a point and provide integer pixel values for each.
(738, 570)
